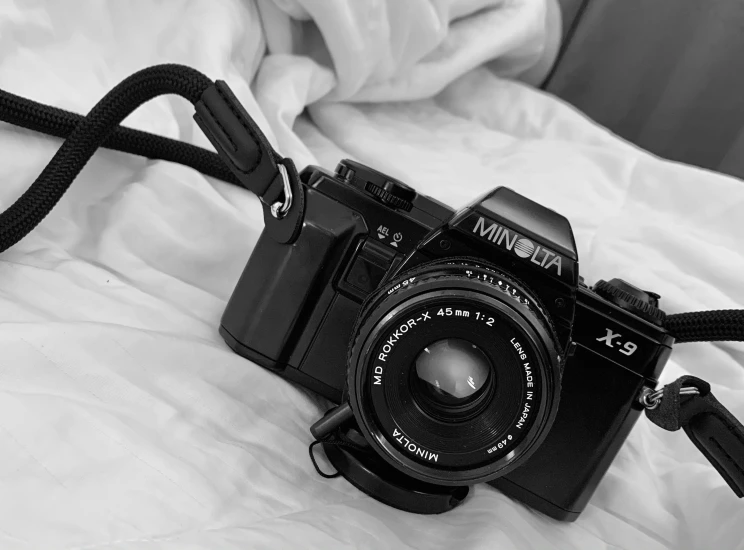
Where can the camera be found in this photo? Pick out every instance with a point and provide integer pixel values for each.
(458, 347)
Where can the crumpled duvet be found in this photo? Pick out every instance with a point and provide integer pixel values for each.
(125, 421)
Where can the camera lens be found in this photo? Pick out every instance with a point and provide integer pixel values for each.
(454, 374)
(451, 376)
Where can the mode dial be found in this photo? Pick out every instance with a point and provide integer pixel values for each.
(393, 193)
(642, 303)
(387, 190)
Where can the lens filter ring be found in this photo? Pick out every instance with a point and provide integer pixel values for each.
(485, 331)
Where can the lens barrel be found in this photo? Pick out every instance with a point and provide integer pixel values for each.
(454, 375)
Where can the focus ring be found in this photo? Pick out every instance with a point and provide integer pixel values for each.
(466, 463)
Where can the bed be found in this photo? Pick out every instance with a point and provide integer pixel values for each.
(126, 423)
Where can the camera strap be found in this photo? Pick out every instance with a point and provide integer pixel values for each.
(244, 157)
(687, 403)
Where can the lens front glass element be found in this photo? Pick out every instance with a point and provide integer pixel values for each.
(451, 376)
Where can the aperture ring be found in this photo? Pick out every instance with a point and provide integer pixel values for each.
(424, 273)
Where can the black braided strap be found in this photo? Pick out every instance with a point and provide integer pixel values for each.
(101, 128)
(707, 326)
(33, 206)
(53, 121)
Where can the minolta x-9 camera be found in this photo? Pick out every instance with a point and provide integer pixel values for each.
(460, 347)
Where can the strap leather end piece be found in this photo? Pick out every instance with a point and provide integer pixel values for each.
(248, 154)
(718, 435)
(237, 139)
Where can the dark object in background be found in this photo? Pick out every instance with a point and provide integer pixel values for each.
(667, 75)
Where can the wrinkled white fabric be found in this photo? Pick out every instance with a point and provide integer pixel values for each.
(125, 421)
(385, 50)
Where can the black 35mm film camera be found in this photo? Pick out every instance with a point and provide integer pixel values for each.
(449, 340)
(460, 347)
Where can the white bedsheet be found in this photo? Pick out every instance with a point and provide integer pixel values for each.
(125, 421)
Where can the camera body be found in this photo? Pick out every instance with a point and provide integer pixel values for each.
(379, 272)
